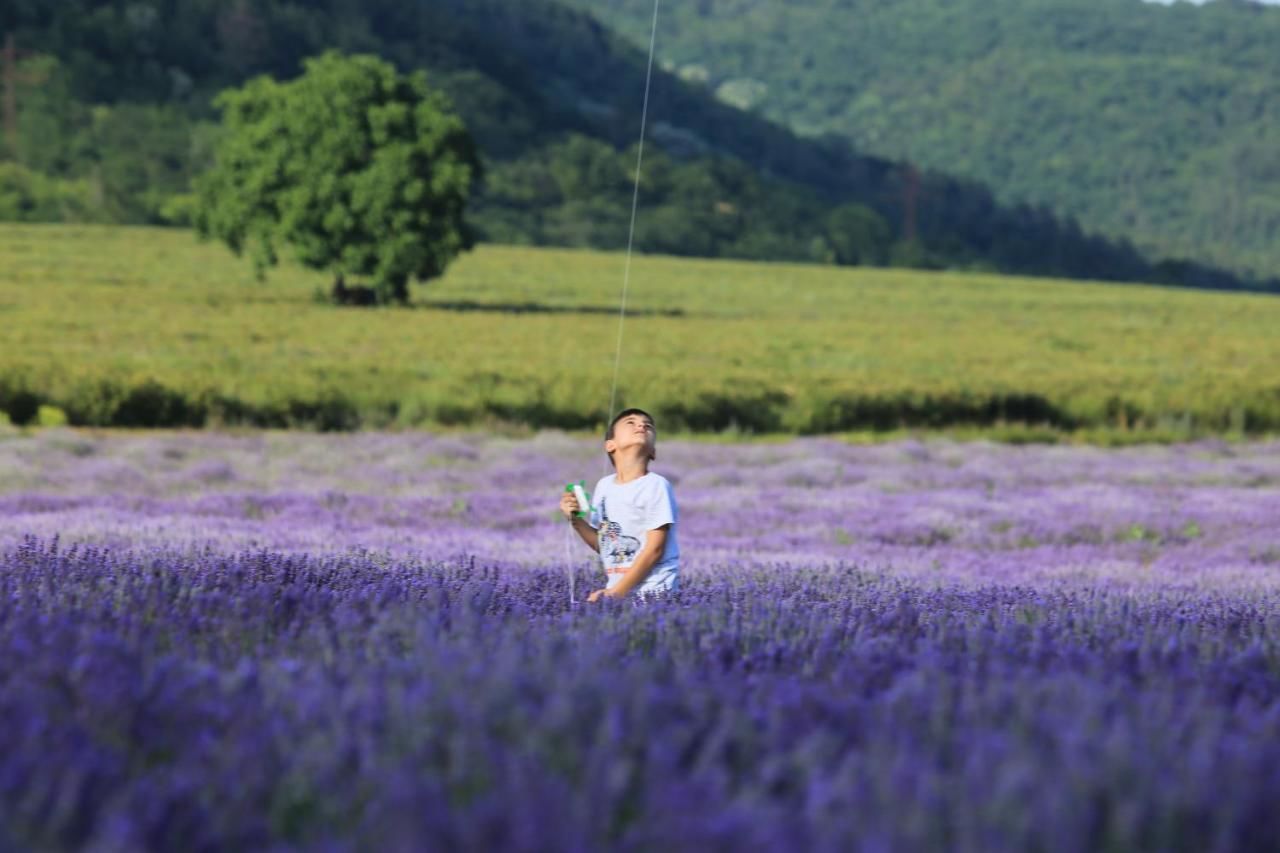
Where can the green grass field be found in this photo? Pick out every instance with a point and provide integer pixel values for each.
(146, 327)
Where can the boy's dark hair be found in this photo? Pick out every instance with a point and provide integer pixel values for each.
(608, 434)
(626, 413)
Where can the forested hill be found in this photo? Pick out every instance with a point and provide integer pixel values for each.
(115, 119)
(1156, 123)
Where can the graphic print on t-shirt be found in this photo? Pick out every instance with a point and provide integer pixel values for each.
(615, 548)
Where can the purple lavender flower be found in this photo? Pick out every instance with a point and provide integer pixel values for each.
(366, 642)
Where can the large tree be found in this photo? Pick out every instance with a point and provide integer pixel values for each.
(361, 171)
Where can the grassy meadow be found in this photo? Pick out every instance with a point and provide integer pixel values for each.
(149, 327)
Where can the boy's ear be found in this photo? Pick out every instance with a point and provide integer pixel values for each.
(610, 445)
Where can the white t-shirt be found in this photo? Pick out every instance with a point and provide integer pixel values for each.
(623, 515)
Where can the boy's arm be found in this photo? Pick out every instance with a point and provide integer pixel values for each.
(654, 544)
(586, 532)
(569, 506)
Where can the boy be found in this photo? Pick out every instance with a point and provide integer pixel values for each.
(633, 522)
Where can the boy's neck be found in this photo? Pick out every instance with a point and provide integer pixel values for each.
(630, 466)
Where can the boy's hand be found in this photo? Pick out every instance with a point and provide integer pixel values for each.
(599, 594)
(568, 504)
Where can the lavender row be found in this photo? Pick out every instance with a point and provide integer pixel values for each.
(154, 700)
(974, 513)
(374, 642)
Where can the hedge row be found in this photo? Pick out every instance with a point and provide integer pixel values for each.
(150, 404)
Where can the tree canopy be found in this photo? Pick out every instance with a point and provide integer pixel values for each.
(1157, 124)
(360, 170)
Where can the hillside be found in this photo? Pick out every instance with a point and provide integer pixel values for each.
(147, 327)
(120, 121)
(1158, 124)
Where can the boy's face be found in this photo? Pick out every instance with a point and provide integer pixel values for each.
(634, 430)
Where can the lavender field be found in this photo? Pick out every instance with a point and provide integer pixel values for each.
(365, 641)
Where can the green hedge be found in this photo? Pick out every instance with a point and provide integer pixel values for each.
(148, 403)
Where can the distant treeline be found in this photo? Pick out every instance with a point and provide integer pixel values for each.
(1155, 122)
(115, 120)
